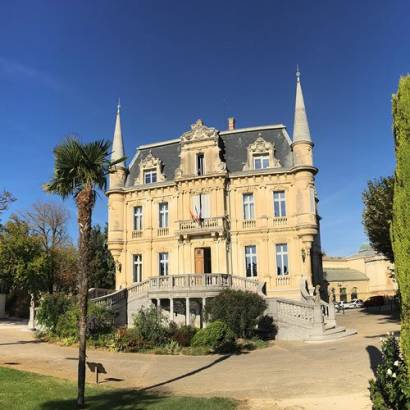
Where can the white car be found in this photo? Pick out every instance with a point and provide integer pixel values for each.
(354, 304)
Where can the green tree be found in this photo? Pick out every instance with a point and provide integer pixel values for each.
(80, 169)
(378, 213)
(238, 309)
(401, 207)
(22, 259)
(102, 265)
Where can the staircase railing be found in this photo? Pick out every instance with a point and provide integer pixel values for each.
(212, 281)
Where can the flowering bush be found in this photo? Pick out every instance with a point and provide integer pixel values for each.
(391, 389)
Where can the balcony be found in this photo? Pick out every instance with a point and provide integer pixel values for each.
(136, 234)
(208, 226)
(248, 223)
(163, 231)
(279, 221)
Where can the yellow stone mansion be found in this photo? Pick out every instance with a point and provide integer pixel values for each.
(240, 201)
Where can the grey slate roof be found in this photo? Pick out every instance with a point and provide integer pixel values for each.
(343, 274)
(234, 152)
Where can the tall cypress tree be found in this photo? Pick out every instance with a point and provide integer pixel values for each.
(401, 206)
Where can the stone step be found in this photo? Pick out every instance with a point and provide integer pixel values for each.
(338, 333)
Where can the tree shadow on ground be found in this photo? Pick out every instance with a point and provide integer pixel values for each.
(112, 399)
(126, 398)
(22, 342)
(375, 356)
(191, 373)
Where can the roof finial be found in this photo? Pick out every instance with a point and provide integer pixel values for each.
(297, 72)
(118, 105)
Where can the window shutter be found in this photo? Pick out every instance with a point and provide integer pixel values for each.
(206, 208)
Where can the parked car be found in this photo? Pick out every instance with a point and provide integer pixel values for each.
(374, 301)
(354, 304)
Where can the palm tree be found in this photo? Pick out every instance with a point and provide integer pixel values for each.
(79, 170)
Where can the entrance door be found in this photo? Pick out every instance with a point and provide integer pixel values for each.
(202, 260)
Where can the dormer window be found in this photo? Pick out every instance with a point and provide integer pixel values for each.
(261, 155)
(261, 161)
(200, 164)
(150, 176)
(150, 170)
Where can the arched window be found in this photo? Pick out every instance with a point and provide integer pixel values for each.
(353, 295)
(343, 295)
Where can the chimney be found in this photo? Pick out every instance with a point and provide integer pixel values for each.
(231, 123)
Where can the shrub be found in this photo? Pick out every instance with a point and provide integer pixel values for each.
(266, 327)
(238, 309)
(151, 326)
(391, 388)
(67, 324)
(51, 308)
(128, 340)
(100, 320)
(217, 335)
(182, 335)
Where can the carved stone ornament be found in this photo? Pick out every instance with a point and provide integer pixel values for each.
(260, 146)
(151, 162)
(199, 132)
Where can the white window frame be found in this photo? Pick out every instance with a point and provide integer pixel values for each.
(281, 251)
(279, 199)
(163, 262)
(264, 161)
(200, 164)
(163, 214)
(150, 175)
(138, 215)
(137, 268)
(248, 206)
(250, 254)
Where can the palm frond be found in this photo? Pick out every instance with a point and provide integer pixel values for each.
(78, 165)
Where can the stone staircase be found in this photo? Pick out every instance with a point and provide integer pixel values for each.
(310, 320)
(307, 320)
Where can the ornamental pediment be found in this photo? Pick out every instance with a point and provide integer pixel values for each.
(152, 164)
(261, 147)
(199, 132)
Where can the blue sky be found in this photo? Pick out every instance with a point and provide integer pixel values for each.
(64, 64)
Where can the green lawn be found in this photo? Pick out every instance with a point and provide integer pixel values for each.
(29, 391)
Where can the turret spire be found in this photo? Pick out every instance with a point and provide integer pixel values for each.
(117, 144)
(301, 126)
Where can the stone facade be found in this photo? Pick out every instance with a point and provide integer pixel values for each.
(361, 275)
(239, 202)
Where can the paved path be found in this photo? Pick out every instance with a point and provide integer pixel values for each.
(287, 375)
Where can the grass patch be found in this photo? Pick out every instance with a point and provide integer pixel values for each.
(29, 391)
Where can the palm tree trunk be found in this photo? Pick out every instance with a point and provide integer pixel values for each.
(85, 202)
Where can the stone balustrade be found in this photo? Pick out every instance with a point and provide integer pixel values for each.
(162, 231)
(211, 281)
(206, 225)
(282, 281)
(248, 223)
(136, 234)
(279, 221)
